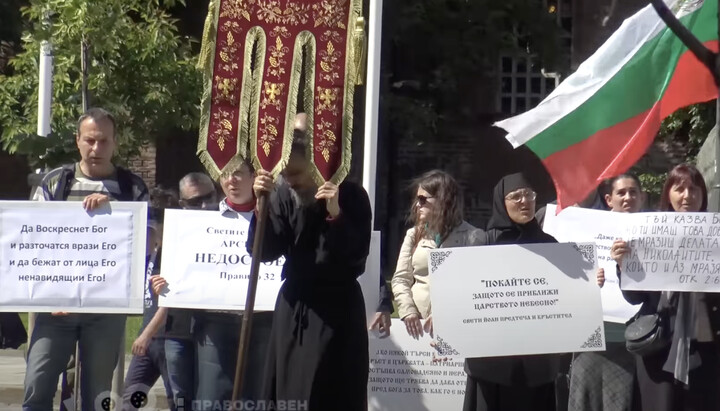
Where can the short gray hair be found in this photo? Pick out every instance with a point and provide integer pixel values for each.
(195, 178)
(97, 114)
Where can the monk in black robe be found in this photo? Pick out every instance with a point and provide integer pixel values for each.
(319, 343)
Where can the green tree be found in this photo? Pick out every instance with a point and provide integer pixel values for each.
(687, 128)
(140, 69)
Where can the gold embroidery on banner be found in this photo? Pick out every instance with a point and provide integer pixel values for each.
(269, 131)
(226, 89)
(327, 140)
(233, 26)
(277, 53)
(295, 12)
(328, 59)
(223, 132)
(229, 53)
(327, 99)
(331, 35)
(236, 9)
(271, 96)
(330, 13)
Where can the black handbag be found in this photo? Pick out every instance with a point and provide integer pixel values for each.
(647, 334)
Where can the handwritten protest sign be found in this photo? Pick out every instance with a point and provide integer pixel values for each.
(672, 252)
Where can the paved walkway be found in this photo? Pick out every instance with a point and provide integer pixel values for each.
(12, 375)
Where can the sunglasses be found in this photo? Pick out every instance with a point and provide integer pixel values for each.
(198, 201)
(422, 200)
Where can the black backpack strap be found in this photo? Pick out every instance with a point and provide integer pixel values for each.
(125, 182)
(64, 184)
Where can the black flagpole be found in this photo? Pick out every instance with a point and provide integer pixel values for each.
(710, 59)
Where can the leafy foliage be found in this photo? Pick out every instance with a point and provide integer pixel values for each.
(688, 127)
(140, 69)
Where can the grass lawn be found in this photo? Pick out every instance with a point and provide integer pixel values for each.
(132, 326)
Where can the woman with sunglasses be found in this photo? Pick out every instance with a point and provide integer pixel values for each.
(517, 383)
(437, 217)
(685, 374)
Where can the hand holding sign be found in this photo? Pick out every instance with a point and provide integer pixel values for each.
(414, 328)
(95, 201)
(157, 284)
(382, 322)
(618, 250)
(428, 326)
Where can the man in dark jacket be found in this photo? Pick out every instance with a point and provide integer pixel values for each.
(319, 343)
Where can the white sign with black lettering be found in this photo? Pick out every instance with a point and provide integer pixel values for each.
(672, 252)
(407, 375)
(55, 256)
(207, 266)
(601, 227)
(487, 301)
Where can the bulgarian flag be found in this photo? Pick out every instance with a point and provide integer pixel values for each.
(600, 121)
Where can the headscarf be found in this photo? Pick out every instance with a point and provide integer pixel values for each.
(502, 228)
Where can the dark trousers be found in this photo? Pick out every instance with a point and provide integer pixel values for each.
(658, 391)
(143, 373)
(217, 338)
(180, 357)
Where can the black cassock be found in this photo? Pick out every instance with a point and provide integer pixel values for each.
(319, 343)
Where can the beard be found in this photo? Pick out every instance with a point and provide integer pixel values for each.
(302, 198)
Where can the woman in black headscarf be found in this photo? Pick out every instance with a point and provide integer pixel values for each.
(517, 383)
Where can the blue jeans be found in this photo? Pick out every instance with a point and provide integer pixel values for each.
(217, 348)
(144, 372)
(52, 344)
(180, 357)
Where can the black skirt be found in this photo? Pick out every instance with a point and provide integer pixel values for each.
(487, 396)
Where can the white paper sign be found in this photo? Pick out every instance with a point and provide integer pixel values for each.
(55, 256)
(487, 301)
(403, 376)
(207, 266)
(672, 252)
(575, 224)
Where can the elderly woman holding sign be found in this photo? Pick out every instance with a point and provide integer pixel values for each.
(517, 383)
(436, 214)
(681, 370)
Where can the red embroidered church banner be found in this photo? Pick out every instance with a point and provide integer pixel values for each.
(252, 59)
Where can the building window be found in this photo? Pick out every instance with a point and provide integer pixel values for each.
(522, 84)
